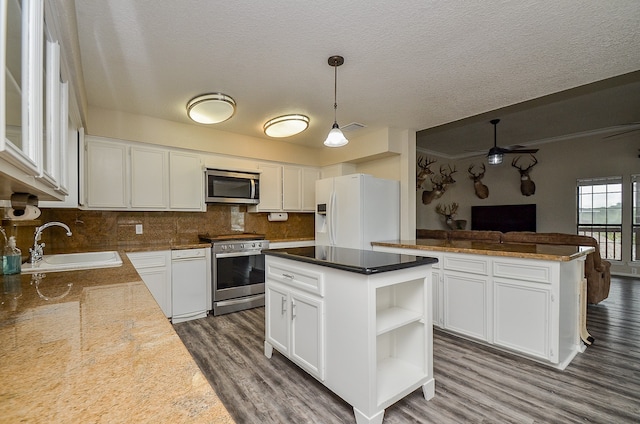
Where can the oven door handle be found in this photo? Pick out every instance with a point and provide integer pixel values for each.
(236, 254)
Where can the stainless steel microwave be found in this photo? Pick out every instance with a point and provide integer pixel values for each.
(232, 187)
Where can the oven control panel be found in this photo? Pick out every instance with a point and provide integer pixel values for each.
(240, 246)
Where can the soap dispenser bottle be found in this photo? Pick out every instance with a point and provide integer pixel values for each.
(12, 258)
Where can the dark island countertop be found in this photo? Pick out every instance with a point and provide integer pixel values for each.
(352, 260)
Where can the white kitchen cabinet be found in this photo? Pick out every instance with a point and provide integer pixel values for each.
(291, 188)
(106, 174)
(149, 178)
(285, 188)
(465, 295)
(137, 176)
(294, 324)
(299, 189)
(521, 322)
(309, 178)
(155, 270)
(465, 308)
(32, 101)
(526, 306)
(368, 338)
(270, 189)
(186, 182)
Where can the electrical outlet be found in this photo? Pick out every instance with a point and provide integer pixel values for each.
(138, 228)
(634, 270)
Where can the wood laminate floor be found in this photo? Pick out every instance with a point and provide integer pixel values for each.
(474, 384)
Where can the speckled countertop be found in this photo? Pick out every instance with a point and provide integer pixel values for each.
(547, 252)
(93, 346)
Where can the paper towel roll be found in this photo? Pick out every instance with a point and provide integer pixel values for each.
(28, 213)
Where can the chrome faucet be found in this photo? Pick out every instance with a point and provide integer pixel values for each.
(37, 249)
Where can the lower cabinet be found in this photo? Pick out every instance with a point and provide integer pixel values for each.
(465, 306)
(155, 270)
(522, 318)
(527, 306)
(294, 319)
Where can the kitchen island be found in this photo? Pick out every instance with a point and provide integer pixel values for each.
(527, 299)
(358, 321)
(94, 346)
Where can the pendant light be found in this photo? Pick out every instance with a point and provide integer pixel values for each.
(335, 137)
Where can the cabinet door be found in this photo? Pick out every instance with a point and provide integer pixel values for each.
(155, 270)
(306, 334)
(277, 318)
(465, 304)
(521, 317)
(309, 178)
(270, 189)
(149, 178)
(291, 188)
(156, 280)
(106, 174)
(186, 182)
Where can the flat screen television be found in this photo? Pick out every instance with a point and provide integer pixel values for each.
(504, 218)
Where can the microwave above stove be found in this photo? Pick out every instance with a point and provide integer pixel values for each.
(232, 187)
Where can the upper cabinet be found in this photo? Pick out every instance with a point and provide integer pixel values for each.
(286, 188)
(121, 175)
(34, 109)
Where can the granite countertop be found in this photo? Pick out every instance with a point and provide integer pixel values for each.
(549, 252)
(352, 260)
(94, 346)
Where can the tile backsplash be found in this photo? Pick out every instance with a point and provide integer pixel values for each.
(94, 229)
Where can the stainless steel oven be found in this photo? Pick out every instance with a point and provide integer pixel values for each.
(237, 272)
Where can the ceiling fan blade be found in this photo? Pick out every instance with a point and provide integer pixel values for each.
(621, 133)
(522, 151)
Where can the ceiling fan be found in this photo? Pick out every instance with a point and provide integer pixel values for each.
(495, 154)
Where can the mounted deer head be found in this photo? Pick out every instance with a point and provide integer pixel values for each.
(437, 190)
(527, 186)
(423, 164)
(439, 184)
(447, 178)
(448, 212)
(482, 191)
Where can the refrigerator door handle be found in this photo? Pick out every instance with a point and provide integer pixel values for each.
(331, 216)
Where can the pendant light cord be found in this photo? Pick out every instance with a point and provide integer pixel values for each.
(335, 94)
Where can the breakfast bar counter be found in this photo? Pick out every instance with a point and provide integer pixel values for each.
(93, 346)
(547, 252)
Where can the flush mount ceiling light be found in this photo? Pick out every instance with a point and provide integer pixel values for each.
(335, 137)
(286, 125)
(211, 108)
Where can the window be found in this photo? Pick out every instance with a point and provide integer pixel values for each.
(635, 218)
(600, 213)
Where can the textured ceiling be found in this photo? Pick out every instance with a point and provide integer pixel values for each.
(414, 64)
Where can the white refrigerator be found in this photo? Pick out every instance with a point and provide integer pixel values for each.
(354, 210)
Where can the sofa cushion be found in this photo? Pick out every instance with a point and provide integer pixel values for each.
(475, 235)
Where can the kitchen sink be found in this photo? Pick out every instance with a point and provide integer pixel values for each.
(74, 261)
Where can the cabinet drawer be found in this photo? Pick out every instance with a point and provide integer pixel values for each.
(540, 273)
(466, 264)
(312, 282)
(147, 260)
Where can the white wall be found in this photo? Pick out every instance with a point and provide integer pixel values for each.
(559, 165)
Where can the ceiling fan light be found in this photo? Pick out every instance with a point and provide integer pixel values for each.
(211, 108)
(494, 157)
(286, 125)
(335, 138)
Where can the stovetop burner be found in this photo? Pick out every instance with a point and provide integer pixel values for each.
(232, 236)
